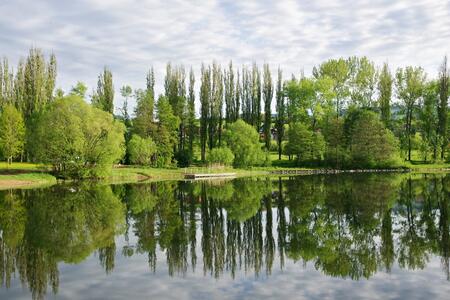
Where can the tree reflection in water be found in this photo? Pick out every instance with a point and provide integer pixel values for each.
(348, 226)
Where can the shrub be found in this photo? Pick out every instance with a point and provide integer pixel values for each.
(183, 158)
(243, 141)
(222, 156)
(141, 150)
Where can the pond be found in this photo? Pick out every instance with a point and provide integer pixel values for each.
(337, 236)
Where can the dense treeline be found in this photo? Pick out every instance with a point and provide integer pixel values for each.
(348, 113)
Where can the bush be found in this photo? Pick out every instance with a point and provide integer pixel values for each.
(12, 132)
(307, 145)
(222, 156)
(77, 139)
(183, 158)
(370, 143)
(141, 150)
(243, 141)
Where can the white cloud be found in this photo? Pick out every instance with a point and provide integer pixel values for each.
(130, 36)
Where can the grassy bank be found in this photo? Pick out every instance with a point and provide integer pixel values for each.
(23, 175)
(26, 180)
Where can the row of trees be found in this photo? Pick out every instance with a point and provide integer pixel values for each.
(347, 113)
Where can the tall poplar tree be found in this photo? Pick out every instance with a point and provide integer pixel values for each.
(143, 123)
(443, 106)
(237, 98)
(205, 99)
(385, 94)
(175, 91)
(230, 95)
(38, 81)
(104, 96)
(191, 110)
(246, 95)
(267, 96)
(256, 97)
(281, 112)
(216, 107)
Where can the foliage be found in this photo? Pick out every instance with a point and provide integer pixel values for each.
(183, 158)
(12, 132)
(221, 156)
(377, 149)
(141, 150)
(166, 132)
(104, 97)
(243, 140)
(307, 145)
(77, 139)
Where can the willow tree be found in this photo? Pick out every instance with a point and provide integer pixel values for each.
(267, 97)
(103, 98)
(385, 94)
(281, 112)
(443, 106)
(409, 84)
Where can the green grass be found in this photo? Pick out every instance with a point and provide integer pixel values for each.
(4, 167)
(26, 180)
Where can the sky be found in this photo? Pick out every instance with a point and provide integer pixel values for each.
(130, 36)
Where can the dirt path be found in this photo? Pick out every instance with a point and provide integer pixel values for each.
(11, 183)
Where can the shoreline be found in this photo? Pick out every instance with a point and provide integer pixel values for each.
(131, 174)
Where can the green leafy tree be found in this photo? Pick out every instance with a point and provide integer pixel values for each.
(370, 143)
(429, 121)
(363, 82)
(205, 100)
(166, 132)
(281, 112)
(175, 92)
(192, 127)
(410, 83)
(243, 140)
(6, 84)
(141, 150)
(340, 71)
(385, 94)
(444, 84)
(77, 139)
(267, 97)
(306, 145)
(79, 89)
(104, 96)
(12, 132)
(222, 156)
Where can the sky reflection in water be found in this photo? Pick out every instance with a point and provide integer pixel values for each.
(338, 237)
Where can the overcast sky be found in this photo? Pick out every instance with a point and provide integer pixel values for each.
(129, 36)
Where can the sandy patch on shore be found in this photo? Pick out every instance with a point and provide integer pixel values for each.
(11, 183)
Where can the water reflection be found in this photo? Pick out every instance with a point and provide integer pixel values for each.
(346, 226)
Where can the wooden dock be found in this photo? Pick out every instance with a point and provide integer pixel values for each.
(209, 175)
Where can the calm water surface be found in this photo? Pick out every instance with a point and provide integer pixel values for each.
(315, 237)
